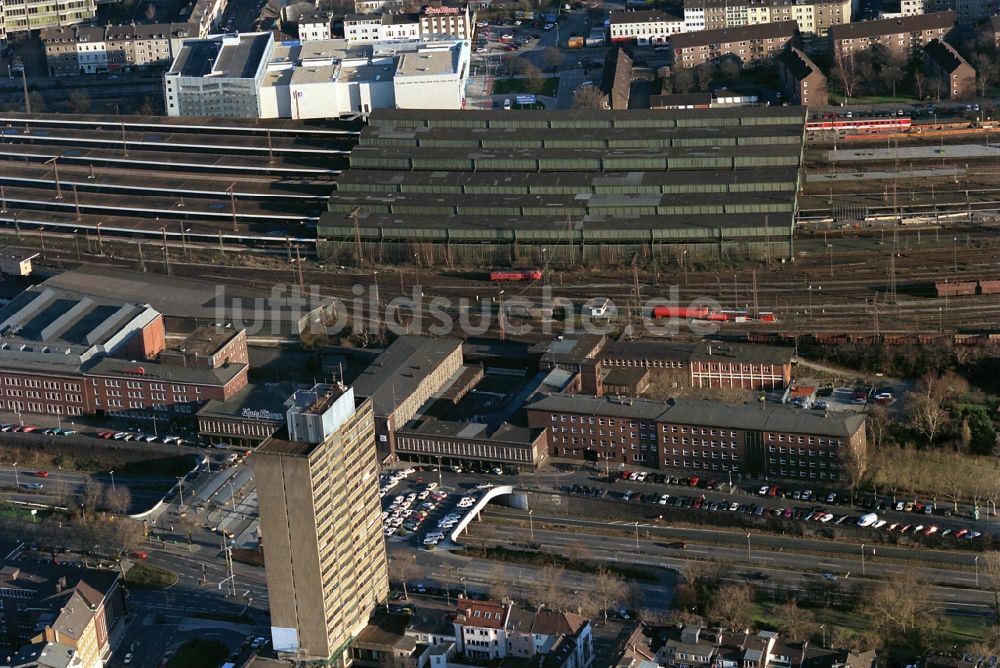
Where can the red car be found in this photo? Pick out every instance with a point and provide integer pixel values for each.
(141, 554)
(106, 434)
(28, 428)
(41, 474)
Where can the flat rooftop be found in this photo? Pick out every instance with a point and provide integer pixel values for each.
(226, 56)
(219, 376)
(399, 370)
(425, 63)
(260, 401)
(207, 340)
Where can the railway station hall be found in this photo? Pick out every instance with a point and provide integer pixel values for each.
(568, 187)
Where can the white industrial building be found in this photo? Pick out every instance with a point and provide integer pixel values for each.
(314, 79)
(218, 76)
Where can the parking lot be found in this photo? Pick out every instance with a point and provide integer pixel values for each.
(769, 502)
(420, 511)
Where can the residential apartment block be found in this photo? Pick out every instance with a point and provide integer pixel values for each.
(904, 37)
(430, 23)
(644, 26)
(813, 18)
(701, 436)
(967, 12)
(46, 608)
(18, 16)
(950, 74)
(321, 523)
(750, 46)
(75, 50)
(801, 80)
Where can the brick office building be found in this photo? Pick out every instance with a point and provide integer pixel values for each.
(66, 354)
(700, 436)
(706, 363)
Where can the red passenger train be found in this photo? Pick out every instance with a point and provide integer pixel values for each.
(516, 275)
(708, 314)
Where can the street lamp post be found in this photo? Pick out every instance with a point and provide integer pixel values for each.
(531, 524)
(976, 560)
(749, 558)
(112, 480)
(862, 558)
(180, 486)
(17, 483)
(637, 535)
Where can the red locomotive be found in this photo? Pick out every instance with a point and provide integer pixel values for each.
(516, 275)
(708, 314)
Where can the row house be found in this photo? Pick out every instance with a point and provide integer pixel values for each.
(700, 436)
(813, 18)
(644, 27)
(430, 23)
(75, 50)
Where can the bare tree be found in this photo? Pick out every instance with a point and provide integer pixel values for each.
(118, 499)
(78, 102)
(552, 57)
(535, 77)
(608, 588)
(795, 622)
(919, 83)
(856, 460)
(926, 414)
(989, 562)
(589, 97)
(683, 80)
(497, 584)
(731, 606)
(845, 71)
(404, 569)
(898, 607)
(92, 496)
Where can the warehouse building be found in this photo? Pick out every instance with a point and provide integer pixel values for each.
(585, 186)
(704, 437)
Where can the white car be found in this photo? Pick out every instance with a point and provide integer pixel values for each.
(431, 541)
(423, 495)
(641, 476)
(764, 490)
(826, 517)
(128, 659)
